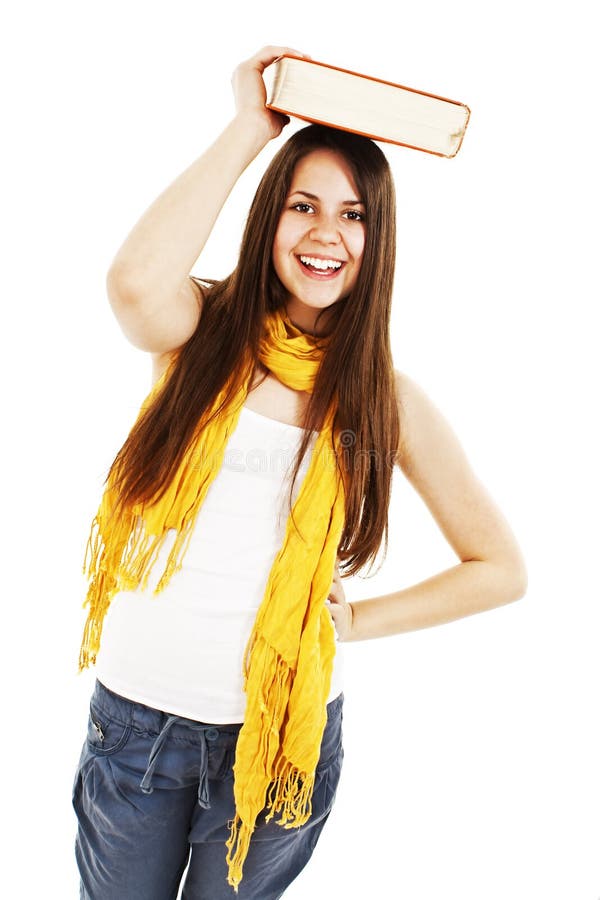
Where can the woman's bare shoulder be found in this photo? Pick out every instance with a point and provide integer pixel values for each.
(436, 464)
(423, 428)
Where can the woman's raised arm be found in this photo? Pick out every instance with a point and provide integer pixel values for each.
(156, 303)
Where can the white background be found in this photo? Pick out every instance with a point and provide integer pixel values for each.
(471, 766)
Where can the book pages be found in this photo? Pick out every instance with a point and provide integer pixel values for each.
(362, 104)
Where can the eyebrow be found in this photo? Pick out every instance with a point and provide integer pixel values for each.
(314, 197)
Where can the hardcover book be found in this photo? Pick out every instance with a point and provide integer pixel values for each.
(381, 110)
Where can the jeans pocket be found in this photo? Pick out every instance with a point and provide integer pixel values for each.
(332, 776)
(105, 735)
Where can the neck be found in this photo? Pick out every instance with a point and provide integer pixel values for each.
(304, 330)
(305, 319)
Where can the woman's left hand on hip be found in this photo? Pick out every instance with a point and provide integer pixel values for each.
(341, 611)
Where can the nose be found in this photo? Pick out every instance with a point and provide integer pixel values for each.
(325, 230)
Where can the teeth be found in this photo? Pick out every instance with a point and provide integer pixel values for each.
(321, 263)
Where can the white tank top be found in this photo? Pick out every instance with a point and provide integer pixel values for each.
(181, 651)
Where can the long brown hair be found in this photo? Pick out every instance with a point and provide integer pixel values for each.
(356, 368)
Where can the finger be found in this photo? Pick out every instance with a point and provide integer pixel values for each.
(269, 54)
(336, 593)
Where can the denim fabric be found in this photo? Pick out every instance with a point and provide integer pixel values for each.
(153, 791)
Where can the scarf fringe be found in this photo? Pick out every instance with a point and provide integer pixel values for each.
(293, 795)
(288, 789)
(132, 569)
(297, 810)
(141, 556)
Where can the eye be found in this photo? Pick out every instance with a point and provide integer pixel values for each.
(355, 215)
(301, 207)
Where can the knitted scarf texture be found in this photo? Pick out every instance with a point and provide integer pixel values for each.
(288, 660)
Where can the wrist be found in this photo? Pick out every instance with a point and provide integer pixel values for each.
(347, 634)
(254, 124)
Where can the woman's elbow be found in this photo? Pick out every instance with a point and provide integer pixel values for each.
(517, 578)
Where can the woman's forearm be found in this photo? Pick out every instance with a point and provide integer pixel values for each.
(165, 243)
(467, 588)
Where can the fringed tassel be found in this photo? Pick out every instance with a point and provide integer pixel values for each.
(297, 809)
(266, 675)
(296, 800)
(178, 551)
(288, 790)
(241, 834)
(98, 599)
(91, 640)
(93, 548)
(100, 590)
(124, 565)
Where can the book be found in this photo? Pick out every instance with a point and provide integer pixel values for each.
(381, 110)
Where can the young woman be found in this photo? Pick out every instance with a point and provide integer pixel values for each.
(260, 463)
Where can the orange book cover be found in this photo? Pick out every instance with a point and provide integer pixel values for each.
(431, 119)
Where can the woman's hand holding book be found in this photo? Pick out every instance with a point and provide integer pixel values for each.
(250, 92)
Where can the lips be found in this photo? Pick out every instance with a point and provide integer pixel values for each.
(321, 274)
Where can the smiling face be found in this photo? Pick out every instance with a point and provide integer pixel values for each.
(319, 242)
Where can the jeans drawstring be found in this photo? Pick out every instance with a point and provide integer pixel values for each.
(146, 782)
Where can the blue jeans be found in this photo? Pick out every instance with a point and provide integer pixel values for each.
(153, 791)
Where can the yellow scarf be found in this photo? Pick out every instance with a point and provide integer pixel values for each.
(288, 660)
